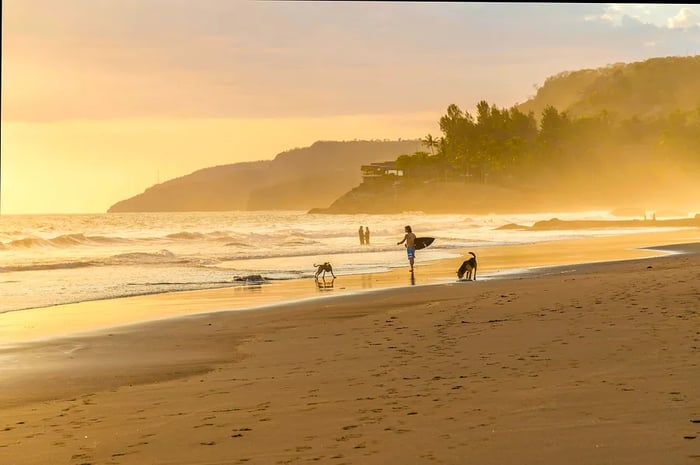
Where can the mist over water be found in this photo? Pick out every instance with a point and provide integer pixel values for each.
(54, 259)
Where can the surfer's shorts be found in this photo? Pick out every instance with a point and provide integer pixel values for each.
(410, 251)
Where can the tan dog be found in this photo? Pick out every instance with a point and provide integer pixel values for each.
(468, 267)
(323, 268)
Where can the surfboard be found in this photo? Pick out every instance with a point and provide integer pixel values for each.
(423, 242)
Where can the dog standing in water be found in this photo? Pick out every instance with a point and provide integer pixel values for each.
(323, 268)
(468, 267)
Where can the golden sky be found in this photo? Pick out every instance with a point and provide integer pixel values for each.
(84, 166)
(101, 99)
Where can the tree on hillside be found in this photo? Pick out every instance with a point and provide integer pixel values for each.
(430, 142)
(507, 146)
(553, 129)
(420, 165)
(646, 89)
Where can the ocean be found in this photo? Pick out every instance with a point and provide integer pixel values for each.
(46, 260)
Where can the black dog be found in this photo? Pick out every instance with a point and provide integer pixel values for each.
(468, 267)
(323, 268)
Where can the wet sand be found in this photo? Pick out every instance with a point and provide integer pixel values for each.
(582, 363)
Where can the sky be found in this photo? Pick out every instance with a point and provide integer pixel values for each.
(101, 99)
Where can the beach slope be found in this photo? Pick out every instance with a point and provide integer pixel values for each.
(585, 364)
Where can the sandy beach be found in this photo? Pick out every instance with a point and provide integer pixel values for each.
(594, 361)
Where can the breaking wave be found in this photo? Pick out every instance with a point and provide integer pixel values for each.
(134, 258)
(47, 266)
(66, 240)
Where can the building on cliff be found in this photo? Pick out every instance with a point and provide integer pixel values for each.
(380, 171)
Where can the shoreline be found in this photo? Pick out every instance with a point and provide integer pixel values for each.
(100, 315)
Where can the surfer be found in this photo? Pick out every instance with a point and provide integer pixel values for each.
(410, 240)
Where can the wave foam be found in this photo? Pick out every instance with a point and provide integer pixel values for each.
(133, 258)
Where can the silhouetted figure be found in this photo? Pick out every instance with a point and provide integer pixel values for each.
(410, 240)
(362, 235)
(366, 235)
(324, 268)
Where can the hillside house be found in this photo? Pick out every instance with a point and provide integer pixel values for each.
(380, 171)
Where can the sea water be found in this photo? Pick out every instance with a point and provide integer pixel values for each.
(47, 260)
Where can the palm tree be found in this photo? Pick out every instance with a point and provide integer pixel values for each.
(430, 142)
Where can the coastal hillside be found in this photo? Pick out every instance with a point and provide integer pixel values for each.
(627, 135)
(679, 196)
(650, 88)
(297, 179)
(617, 136)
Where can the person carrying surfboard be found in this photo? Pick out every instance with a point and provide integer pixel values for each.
(410, 240)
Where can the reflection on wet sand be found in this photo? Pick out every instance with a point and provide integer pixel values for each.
(251, 282)
(257, 287)
(324, 285)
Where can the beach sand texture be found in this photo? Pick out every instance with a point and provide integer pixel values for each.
(582, 364)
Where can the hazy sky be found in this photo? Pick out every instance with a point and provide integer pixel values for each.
(101, 98)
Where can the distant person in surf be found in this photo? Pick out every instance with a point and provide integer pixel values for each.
(410, 240)
(361, 233)
(367, 235)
